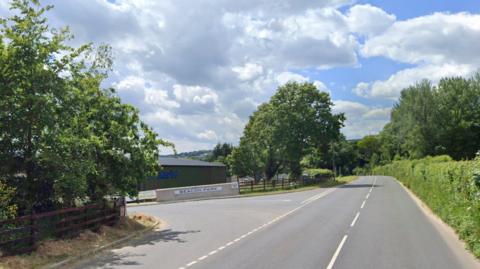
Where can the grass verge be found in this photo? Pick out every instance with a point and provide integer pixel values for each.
(56, 251)
(324, 184)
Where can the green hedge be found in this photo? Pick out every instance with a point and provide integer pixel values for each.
(318, 172)
(451, 189)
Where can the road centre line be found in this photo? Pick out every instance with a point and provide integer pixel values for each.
(330, 265)
(282, 216)
(355, 219)
(363, 204)
(192, 263)
(367, 196)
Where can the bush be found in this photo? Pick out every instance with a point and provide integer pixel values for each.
(317, 173)
(451, 189)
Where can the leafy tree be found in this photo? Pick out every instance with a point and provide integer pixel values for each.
(220, 154)
(304, 120)
(245, 160)
(63, 137)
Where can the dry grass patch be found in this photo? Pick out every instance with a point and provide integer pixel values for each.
(56, 251)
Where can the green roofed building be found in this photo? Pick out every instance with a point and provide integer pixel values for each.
(184, 173)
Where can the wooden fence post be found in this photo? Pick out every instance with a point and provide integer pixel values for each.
(85, 211)
(251, 184)
(264, 184)
(115, 208)
(282, 183)
(33, 232)
(104, 211)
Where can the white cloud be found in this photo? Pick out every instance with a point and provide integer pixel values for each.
(378, 113)
(361, 120)
(251, 70)
(368, 20)
(439, 38)
(320, 86)
(285, 77)
(392, 87)
(208, 135)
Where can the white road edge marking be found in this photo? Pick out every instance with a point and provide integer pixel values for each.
(192, 263)
(204, 257)
(363, 204)
(355, 219)
(330, 265)
(367, 196)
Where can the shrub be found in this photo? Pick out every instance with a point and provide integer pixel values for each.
(451, 189)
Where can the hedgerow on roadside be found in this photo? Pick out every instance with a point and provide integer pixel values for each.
(451, 189)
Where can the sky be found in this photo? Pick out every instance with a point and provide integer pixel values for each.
(198, 69)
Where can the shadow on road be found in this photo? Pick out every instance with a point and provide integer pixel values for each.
(167, 235)
(114, 259)
(349, 186)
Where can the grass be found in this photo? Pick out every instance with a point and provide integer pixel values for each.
(57, 251)
(324, 184)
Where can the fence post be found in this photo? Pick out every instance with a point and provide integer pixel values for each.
(33, 232)
(62, 216)
(115, 208)
(104, 211)
(85, 218)
(264, 184)
(251, 184)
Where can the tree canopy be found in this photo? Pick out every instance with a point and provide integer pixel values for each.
(297, 120)
(63, 137)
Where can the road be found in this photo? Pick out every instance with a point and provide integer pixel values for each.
(370, 223)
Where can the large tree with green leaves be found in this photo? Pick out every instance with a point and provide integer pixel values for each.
(303, 121)
(63, 137)
(295, 122)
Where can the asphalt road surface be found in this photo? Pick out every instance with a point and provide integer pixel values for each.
(370, 223)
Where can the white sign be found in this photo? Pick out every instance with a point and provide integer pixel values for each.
(198, 190)
(235, 186)
(143, 195)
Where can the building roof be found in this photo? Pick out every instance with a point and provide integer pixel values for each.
(185, 162)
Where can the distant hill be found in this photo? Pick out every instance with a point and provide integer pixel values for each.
(201, 155)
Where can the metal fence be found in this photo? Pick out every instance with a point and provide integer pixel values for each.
(284, 184)
(26, 233)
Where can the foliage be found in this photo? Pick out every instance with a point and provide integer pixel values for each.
(296, 121)
(430, 120)
(451, 189)
(220, 153)
(318, 172)
(8, 208)
(63, 137)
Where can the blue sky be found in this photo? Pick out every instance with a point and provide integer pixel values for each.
(198, 69)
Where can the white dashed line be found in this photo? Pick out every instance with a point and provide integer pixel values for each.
(355, 219)
(363, 204)
(367, 196)
(330, 265)
(282, 216)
